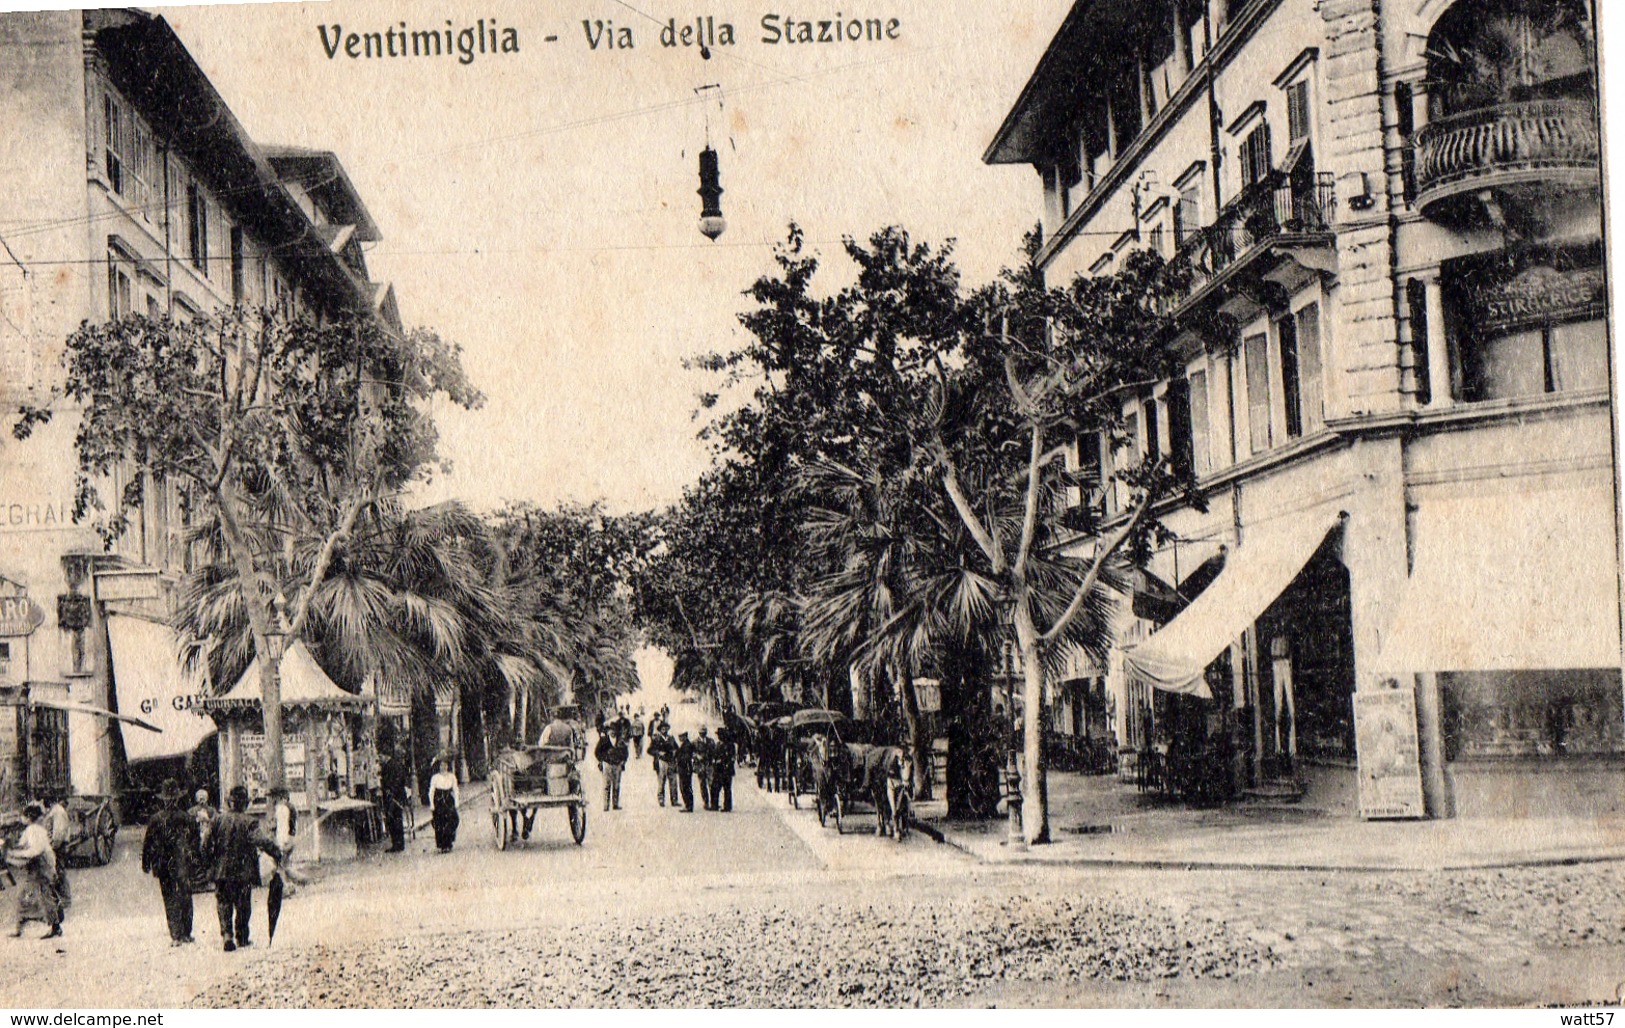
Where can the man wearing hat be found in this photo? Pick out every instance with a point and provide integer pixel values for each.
(684, 763)
(172, 842)
(705, 753)
(238, 842)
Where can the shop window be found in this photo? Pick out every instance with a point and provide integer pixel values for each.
(1256, 353)
(5, 662)
(1529, 362)
(1532, 714)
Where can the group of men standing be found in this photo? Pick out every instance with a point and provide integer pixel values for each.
(677, 762)
(185, 847)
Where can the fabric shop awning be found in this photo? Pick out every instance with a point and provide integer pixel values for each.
(151, 685)
(1175, 658)
(1511, 581)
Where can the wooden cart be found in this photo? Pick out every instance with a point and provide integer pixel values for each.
(525, 781)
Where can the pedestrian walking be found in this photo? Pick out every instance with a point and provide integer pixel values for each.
(396, 783)
(722, 778)
(683, 764)
(611, 754)
(238, 842)
(444, 797)
(60, 825)
(663, 749)
(637, 736)
(37, 898)
(705, 754)
(169, 854)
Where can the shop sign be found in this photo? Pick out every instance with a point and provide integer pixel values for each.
(19, 616)
(1539, 294)
(1390, 756)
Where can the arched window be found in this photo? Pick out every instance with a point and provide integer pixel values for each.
(1484, 53)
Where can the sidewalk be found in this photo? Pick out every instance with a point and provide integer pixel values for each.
(1097, 820)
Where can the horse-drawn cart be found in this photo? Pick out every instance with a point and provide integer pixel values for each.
(34, 765)
(525, 781)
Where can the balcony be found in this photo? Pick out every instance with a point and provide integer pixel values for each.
(1515, 149)
(1269, 241)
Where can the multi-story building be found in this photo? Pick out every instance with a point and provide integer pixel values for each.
(130, 188)
(1395, 394)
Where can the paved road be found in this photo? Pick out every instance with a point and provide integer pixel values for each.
(762, 906)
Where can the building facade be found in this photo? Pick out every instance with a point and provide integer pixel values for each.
(131, 188)
(1386, 219)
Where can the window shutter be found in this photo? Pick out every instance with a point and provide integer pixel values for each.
(1416, 298)
(1297, 110)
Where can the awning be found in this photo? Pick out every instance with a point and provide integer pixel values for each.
(150, 684)
(1509, 581)
(304, 684)
(1255, 573)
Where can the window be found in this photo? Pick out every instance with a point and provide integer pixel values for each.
(1529, 362)
(1416, 299)
(1297, 110)
(113, 142)
(236, 264)
(1153, 429)
(1299, 336)
(1256, 162)
(1180, 426)
(5, 661)
(1201, 459)
(118, 289)
(155, 310)
(197, 216)
(1256, 352)
(1311, 391)
(1158, 241)
(1188, 212)
(1405, 122)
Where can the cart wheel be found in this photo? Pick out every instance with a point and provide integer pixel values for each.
(102, 833)
(578, 822)
(504, 830)
(838, 805)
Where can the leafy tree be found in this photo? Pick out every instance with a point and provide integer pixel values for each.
(282, 430)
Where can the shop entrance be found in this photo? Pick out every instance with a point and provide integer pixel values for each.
(1302, 684)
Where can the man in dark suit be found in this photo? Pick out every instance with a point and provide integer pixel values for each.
(684, 762)
(395, 781)
(168, 854)
(238, 843)
(723, 766)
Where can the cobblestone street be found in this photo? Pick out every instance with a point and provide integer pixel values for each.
(764, 907)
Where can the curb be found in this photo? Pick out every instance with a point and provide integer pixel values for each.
(1169, 864)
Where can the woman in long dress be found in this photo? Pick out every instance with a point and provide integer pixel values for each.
(443, 799)
(37, 898)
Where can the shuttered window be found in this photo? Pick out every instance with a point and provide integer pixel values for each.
(1201, 461)
(1297, 110)
(1257, 355)
(1255, 155)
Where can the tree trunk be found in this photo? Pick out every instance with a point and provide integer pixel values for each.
(1034, 781)
(972, 779)
(919, 743)
(271, 706)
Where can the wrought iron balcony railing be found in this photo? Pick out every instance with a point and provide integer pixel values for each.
(1269, 210)
(1533, 141)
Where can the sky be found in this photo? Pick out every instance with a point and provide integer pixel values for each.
(539, 207)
